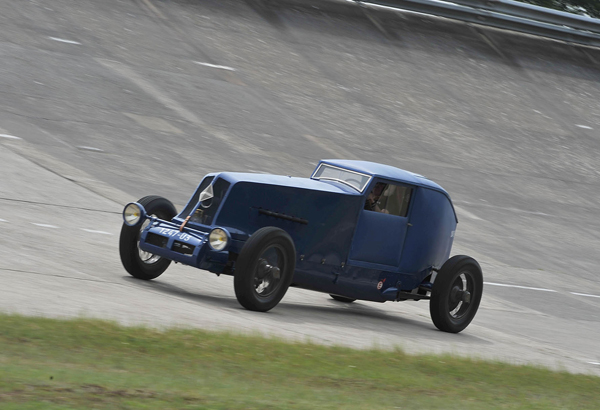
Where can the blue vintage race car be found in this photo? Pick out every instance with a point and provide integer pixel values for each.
(354, 229)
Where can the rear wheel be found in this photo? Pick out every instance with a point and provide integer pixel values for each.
(456, 294)
(342, 298)
(138, 263)
(264, 269)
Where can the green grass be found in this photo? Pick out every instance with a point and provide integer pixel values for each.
(90, 364)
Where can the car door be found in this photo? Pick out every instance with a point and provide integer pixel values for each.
(382, 225)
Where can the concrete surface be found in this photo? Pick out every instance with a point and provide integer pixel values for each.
(105, 102)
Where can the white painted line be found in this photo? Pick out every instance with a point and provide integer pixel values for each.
(222, 67)
(585, 127)
(595, 363)
(3, 220)
(163, 98)
(464, 212)
(501, 207)
(91, 149)
(10, 137)
(586, 295)
(62, 40)
(93, 231)
(153, 8)
(153, 91)
(517, 286)
(45, 225)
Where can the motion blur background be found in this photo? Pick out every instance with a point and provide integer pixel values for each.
(105, 102)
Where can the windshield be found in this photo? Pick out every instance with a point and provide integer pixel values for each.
(203, 206)
(354, 179)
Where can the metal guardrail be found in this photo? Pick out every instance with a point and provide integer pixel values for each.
(508, 15)
(529, 11)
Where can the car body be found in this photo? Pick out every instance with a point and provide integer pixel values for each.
(354, 229)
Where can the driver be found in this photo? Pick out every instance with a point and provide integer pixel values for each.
(372, 203)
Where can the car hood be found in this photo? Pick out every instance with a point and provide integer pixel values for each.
(288, 181)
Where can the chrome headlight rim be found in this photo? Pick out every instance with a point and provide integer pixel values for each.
(218, 239)
(134, 214)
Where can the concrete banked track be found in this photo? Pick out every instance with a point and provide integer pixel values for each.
(105, 102)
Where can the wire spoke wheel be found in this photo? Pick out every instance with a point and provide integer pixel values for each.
(139, 263)
(146, 257)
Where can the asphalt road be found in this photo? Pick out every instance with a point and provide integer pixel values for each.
(105, 102)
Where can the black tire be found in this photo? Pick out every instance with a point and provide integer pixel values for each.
(264, 269)
(342, 299)
(140, 264)
(456, 294)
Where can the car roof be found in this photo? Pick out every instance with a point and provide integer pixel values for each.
(385, 171)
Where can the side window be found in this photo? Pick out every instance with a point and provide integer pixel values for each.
(389, 199)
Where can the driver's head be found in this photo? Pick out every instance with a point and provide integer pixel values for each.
(378, 189)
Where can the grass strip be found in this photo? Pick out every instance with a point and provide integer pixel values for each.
(92, 364)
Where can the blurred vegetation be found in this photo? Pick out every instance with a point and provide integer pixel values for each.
(91, 364)
(589, 7)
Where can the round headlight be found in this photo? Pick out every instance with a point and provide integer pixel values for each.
(132, 214)
(218, 239)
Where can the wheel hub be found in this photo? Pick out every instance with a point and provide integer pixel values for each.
(262, 269)
(266, 275)
(458, 295)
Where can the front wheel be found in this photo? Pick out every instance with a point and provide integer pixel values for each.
(264, 269)
(456, 294)
(141, 264)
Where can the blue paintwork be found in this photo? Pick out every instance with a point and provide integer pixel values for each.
(170, 231)
(386, 172)
(341, 248)
(203, 257)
